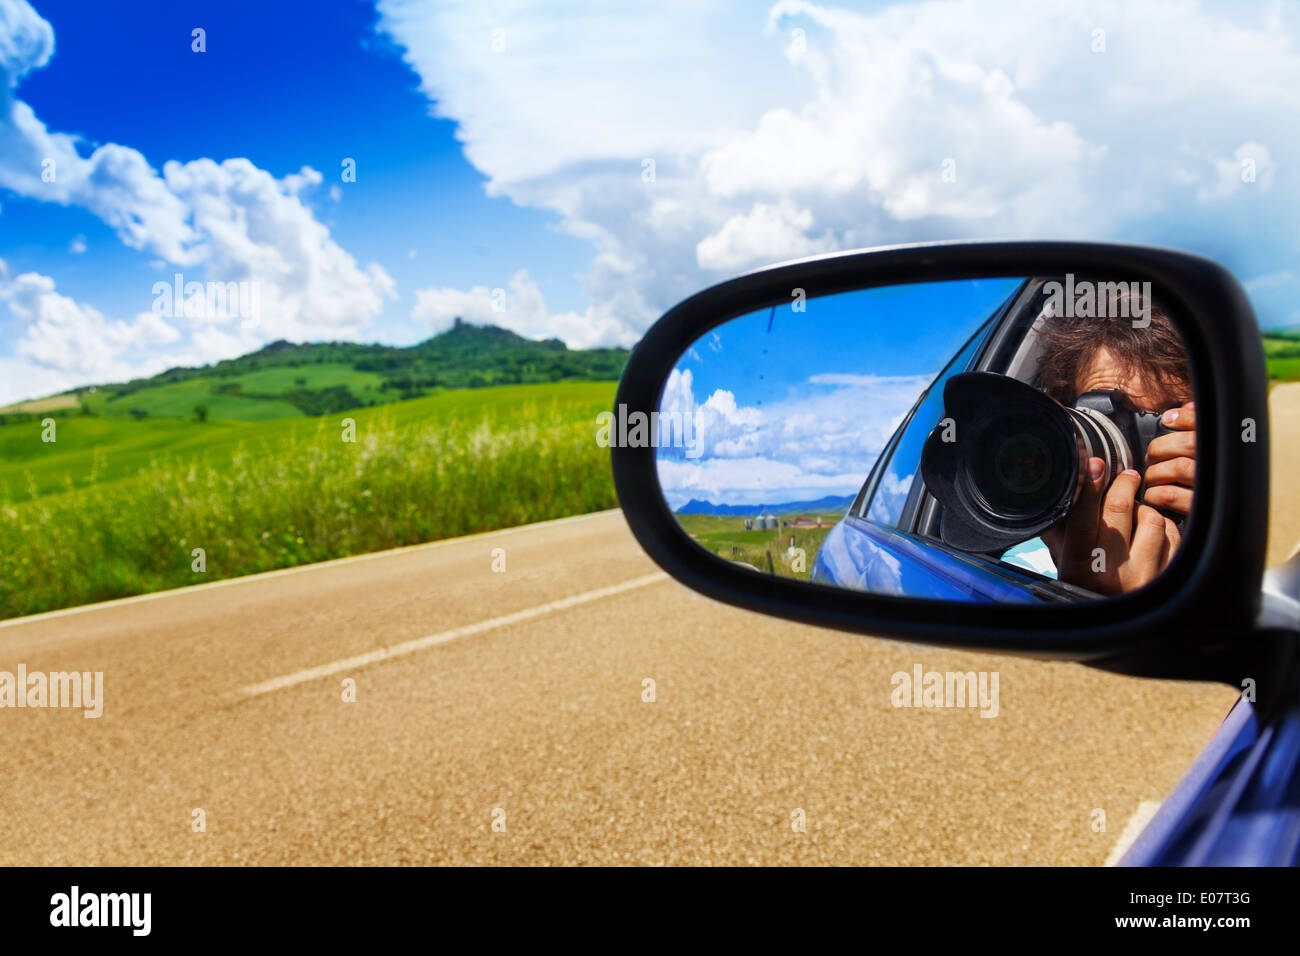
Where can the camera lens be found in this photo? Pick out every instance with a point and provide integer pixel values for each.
(1019, 457)
(1022, 463)
(1011, 473)
(1013, 469)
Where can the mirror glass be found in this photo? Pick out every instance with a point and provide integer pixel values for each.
(995, 440)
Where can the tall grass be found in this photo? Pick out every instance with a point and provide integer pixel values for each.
(311, 498)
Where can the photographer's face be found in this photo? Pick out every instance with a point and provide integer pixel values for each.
(1104, 371)
(1135, 540)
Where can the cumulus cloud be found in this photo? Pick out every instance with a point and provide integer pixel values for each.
(250, 226)
(822, 439)
(690, 141)
(62, 343)
(223, 222)
(767, 233)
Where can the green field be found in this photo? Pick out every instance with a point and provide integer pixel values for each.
(1282, 355)
(248, 397)
(284, 379)
(115, 507)
(725, 536)
(180, 399)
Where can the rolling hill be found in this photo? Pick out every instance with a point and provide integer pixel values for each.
(288, 380)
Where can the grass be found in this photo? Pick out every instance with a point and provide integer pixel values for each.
(725, 536)
(246, 397)
(273, 381)
(178, 401)
(1285, 369)
(116, 508)
(92, 450)
(1282, 356)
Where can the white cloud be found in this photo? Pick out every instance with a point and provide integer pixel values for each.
(632, 70)
(822, 439)
(749, 481)
(21, 380)
(767, 233)
(77, 246)
(222, 222)
(893, 387)
(252, 227)
(910, 122)
(62, 343)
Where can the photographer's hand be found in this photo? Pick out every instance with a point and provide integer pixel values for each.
(1171, 462)
(1111, 544)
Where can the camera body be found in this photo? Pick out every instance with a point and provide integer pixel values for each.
(1008, 462)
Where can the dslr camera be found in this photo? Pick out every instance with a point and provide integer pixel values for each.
(1007, 462)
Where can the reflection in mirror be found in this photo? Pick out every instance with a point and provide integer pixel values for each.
(992, 440)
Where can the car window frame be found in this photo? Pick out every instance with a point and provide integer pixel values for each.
(997, 351)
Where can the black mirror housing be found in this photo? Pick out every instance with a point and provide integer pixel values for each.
(1195, 621)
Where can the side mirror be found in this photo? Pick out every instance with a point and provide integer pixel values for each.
(971, 444)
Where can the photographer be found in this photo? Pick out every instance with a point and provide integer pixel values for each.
(1109, 543)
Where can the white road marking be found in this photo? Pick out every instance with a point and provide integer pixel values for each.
(421, 643)
(1146, 809)
(300, 569)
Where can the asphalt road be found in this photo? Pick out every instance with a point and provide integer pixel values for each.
(517, 698)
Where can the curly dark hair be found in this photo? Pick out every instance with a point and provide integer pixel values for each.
(1155, 353)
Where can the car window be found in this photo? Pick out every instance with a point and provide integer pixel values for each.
(894, 484)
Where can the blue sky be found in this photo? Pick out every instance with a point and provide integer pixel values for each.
(906, 330)
(285, 87)
(794, 406)
(298, 90)
(557, 170)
